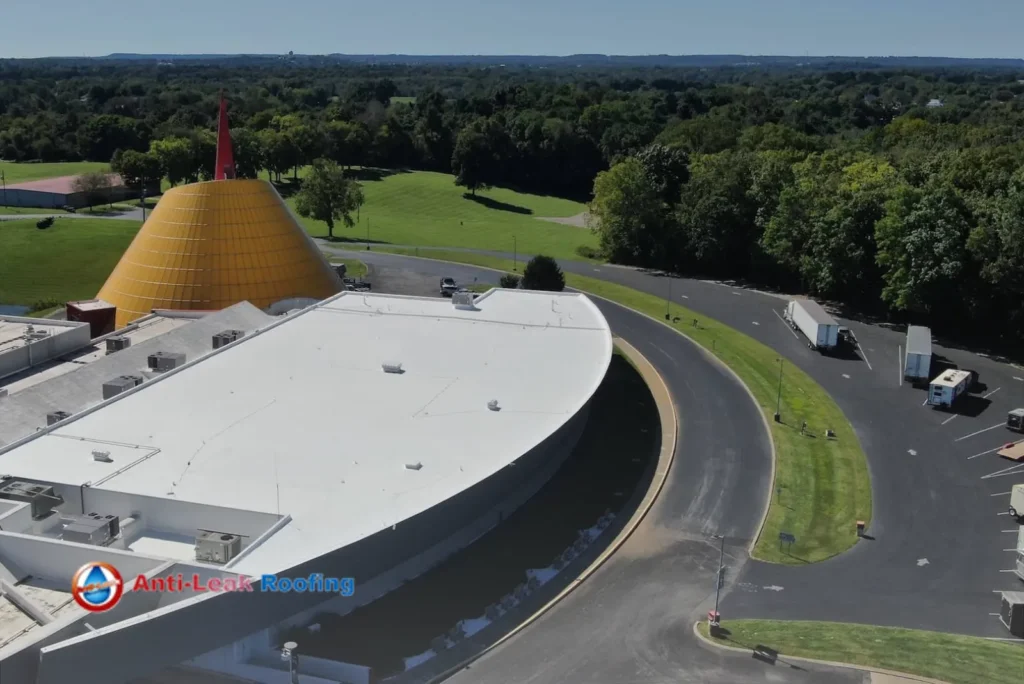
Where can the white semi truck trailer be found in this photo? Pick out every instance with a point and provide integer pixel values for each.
(820, 329)
(917, 364)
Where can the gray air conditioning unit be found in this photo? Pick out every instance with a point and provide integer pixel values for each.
(42, 497)
(217, 547)
(226, 337)
(91, 528)
(464, 300)
(3, 392)
(1011, 613)
(123, 383)
(56, 416)
(165, 361)
(116, 344)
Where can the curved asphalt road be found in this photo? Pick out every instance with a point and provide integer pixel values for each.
(943, 545)
(632, 620)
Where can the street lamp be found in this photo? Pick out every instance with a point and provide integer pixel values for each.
(515, 255)
(778, 400)
(668, 300)
(367, 233)
(721, 566)
(290, 654)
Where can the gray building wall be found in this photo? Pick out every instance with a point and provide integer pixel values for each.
(69, 336)
(19, 197)
(117, 655)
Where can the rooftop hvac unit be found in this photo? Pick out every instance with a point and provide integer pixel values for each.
(3, 392)
(122, 383)
(42, 497)
(119, 343)
(392, 368)
(91, 528)
(217, 547)
(226, 337)
(36, 335)
(165, 361)
(56, 417)
(1011, 614)
(463, 300)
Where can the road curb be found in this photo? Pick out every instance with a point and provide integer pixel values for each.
(707, 352)
(903, 676)
(666, 457)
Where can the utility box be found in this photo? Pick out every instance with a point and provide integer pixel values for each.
(55, 417)
(165, 361)
(1011, 613)
(123, 383)
(217, 547)
(1015, 420)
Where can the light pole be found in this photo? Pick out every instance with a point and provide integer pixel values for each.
(668, 299)
(778, 400)
(367, 233)
(289, 653)
(515, 255)
(3, 179)
(721, 565)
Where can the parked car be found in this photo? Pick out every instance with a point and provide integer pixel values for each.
(448, 286)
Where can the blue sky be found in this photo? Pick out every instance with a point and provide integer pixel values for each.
(964, 28)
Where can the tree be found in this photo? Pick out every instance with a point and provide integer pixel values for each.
(510, 281)
(629, 216)
(667, 168)
(176, 157)
(328, 196)
(543, 273)
(137, 169)
(471, 160)
(94, 185)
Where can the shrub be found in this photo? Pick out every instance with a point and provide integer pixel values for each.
(509, 281)
(543, 273)
(588, 252)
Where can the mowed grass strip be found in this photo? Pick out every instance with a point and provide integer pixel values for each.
(15, 172)
(69, 260)
(946, 657)
(822, 486)
(425, 208)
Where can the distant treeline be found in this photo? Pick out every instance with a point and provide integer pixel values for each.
(897, 191)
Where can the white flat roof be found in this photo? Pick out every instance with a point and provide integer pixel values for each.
(300, 418)
(13, 330)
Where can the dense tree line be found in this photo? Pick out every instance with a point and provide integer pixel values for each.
(893, 191)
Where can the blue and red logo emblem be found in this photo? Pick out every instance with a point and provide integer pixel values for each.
(97, 586)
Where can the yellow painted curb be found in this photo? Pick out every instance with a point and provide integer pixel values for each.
(669, 432)
(903, 676)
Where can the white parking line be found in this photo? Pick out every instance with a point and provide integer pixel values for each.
(788, 327)
(1018, 379)
(1000, 494)
(925, 401)
(1007, 571)
(984, 452)
(684, 296)
(865, 356)
(997, 425)
(756, 323)
(1009, 549)
(1012, 470)
(949, 419)
(1003, 513)
(737, 294)
(899, 362)
(1014, 530)
(992, 392)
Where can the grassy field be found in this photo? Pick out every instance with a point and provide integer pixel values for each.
(353, 267)
(424, 208)
(69, 260)
(946, 657)
(19, 173)
(822, 487)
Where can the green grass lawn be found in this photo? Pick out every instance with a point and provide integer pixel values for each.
(424, 208)
(946, 657)
(822, 487)
(69, 260)
(20, 173)
(29, 210)
(353, 267)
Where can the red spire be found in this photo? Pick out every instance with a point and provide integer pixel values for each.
(225, 158)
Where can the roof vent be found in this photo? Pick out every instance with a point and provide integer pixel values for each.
(164, 361)
(413, 466)
(119, 343)
(3, 392)
(226, 337)
(493, 405)
(102, 456)
(56, 416)
(392, 368)
(122, 383)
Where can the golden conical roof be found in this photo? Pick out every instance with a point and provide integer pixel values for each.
(209, 245)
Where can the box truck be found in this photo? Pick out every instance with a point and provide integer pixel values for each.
(948, 387)
(820, 329)
(1017, 510)
(1015, 420)
(918, 362)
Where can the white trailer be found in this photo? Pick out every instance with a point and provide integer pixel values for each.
(1019, 565)
(820, 329)
(1017, 511)
(947, 388)
(918, 361)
